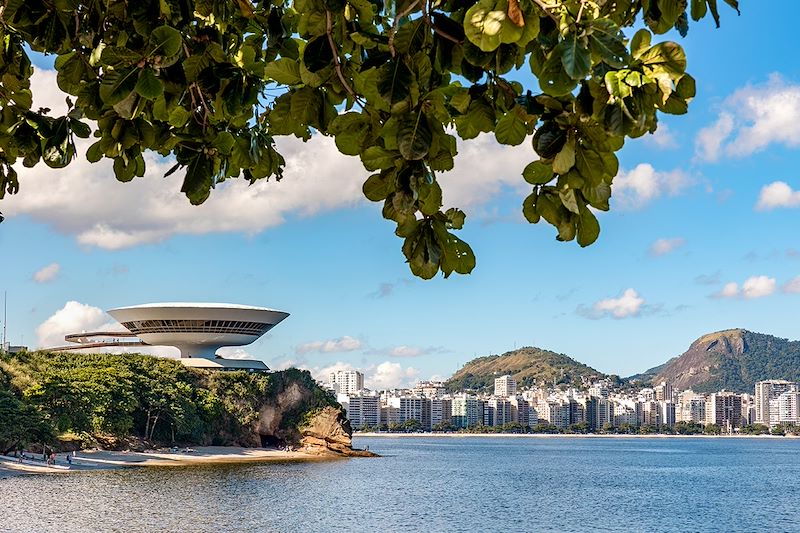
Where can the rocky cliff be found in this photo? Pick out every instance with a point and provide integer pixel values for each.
(733, 359)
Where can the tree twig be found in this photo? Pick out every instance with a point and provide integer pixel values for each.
(396, 24)
(546, 8)
(337, 61)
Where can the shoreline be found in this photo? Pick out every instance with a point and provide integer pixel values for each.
(567, 435)
(88, 460)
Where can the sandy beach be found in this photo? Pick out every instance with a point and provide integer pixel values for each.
(568, 436)
(105, 459)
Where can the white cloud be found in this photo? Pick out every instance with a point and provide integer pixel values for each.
(753, 287)
(663, 137)
(405, 351)
(777, 194)
(638, 187)
(74, 317)
(235, 352)
(665, 246)
(758, 286)
(388, 375)
(86, 201)
(792, 286)
(343, 344)
(752, 118)
(47, 273)
(709, 141)
(629, 304)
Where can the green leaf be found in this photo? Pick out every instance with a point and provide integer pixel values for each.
(575, 57)
(376, 158)
(685, 87)
(487, 26)
(414, 136)
(590, 165)
(666, 57)
(538, 173)
(455, 218)
(166, 41)
(640, 43)
(511, 128)
(698, 9)
(569, 199)
(565, 159)
(529, 208)
(149, 86)
(284, 71)
(607, 42)
(117, 85)
(350, 131)
(549, 139)
(598, 196)
(377, 187)
(588, 227)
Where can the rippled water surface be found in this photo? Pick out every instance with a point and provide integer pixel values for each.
(438, 484)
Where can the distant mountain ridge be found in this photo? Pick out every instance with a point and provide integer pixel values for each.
(732, 359)
(527, 365)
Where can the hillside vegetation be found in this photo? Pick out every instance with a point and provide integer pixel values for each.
(527, 365)
(135, 400)
(732, 359)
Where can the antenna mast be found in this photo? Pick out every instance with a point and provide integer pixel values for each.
(5, 320)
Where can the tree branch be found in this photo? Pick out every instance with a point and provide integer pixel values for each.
(337, 61)
(396, 24)
(546, 8)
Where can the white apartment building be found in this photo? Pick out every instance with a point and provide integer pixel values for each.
(770, 390)
(361, 410)
(691, 407)
(346, 381)
(441, 410)
(497, 412)
(467, 410)
(663, 392)
(520, 410)
(505, 386)
(667, 413)
(408, 408)
(789, 408)
(626, 412)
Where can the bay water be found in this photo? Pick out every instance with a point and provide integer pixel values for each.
(438, 484)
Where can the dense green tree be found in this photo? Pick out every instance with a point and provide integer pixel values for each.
(21, 424)
(397, 84)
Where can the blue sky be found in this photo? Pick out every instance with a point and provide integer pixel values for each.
(702, 236)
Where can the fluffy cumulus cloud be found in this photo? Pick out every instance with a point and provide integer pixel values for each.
(634, 189)
(665, 246)
(663, 138)
(777, 194)
(86, 201)
(752, 118)
(74, 317)
(47, 273)
(343, 344)
(753, 287)
(628, 304)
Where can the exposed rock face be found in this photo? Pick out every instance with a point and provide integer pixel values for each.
(733, 359)
(329, 432)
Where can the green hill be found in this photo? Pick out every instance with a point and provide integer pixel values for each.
(130, 400)
(527, 365)
(732, 359)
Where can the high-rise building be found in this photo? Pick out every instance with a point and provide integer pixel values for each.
(520, 411)
(497, 412)
(467, 410)
(441, 411)
(725, 410)
(770, 390)
(408, 408)
(667, 413)
(505, 386)
(346, 381)
(663, 392)
(691, 407)
(361, 410)
(789, 408)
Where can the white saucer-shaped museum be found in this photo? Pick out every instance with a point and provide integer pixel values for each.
(198, 330)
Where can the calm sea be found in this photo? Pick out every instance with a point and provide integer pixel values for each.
(438, 484)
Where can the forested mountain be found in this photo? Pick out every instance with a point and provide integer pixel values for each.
(129, 400)
(527, 365)
(732, 359)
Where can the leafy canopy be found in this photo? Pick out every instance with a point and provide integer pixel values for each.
(212, 83)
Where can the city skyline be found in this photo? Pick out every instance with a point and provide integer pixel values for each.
(700, 238)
